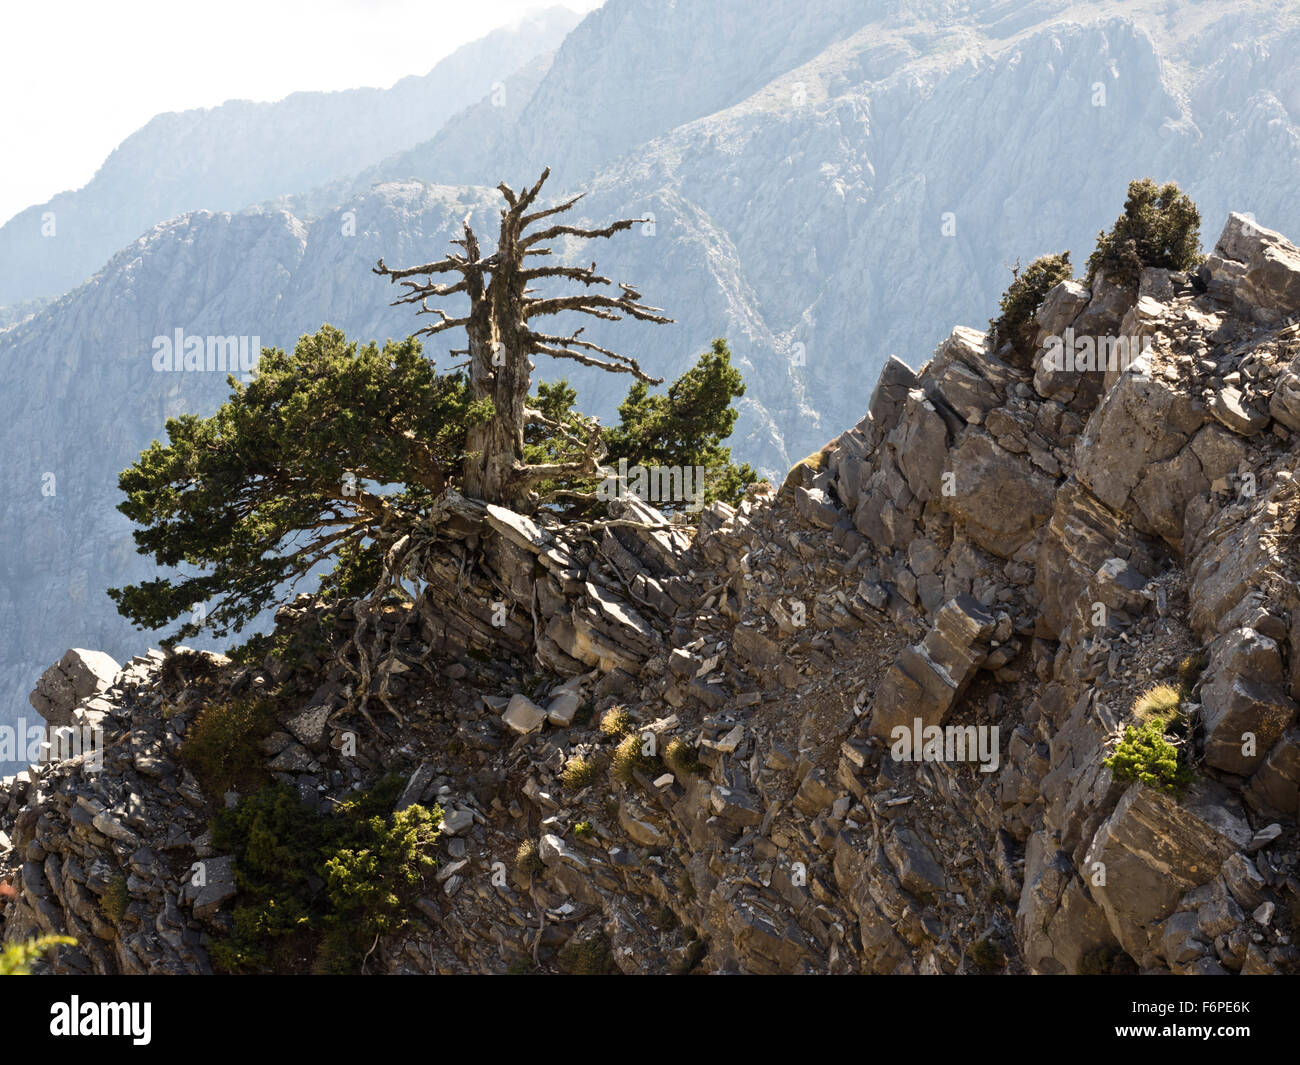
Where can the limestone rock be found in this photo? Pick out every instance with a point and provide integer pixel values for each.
(78, 675)
(997, 498)
(1152, 850)
(522, 715)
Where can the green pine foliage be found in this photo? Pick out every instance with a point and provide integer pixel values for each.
(684, 426)
(334, 451)
(301, 465)
(1160, 226)
(315, 890)
(1023, 297)
(1146, 755)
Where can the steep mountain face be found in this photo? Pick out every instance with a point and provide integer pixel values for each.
(225, 158)
(825, 192)
(859, 725)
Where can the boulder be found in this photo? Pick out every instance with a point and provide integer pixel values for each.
(1060, 307)
(1275, 787)
(1151, 850)
(998, 498)
(1285, 404)
(78, 675)
(954, 376)
(522, 715)
(896, 380)
(1266, 277)
(914, 863)
(1141, 421)
(919, 444)
(1243, 696)
(927, 678)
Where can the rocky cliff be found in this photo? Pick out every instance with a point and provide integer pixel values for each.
(829, 188)
(661, 749)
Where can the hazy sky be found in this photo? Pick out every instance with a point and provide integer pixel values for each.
(78, 76)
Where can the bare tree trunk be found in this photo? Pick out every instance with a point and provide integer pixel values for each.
(501, 341)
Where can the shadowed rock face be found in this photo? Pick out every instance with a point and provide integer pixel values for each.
(786, 740)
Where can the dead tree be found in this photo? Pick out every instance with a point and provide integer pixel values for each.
(501, 338)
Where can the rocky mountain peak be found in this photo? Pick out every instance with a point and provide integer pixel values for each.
(910, 712)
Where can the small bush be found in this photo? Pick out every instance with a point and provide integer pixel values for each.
(617, 722)
(629, 758)
(584, 830)
(1160, 226)
(115, 901)
(318, 888)
(680, 757)
(1146, 755)
(1023, 298)
(222, 745)
(579, 773)
(527, 859)
(987, 956)
(586, 957)
(1161, 701)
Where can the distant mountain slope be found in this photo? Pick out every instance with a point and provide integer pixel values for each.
(228, 157)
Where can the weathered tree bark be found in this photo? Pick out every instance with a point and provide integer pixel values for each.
(501, 340)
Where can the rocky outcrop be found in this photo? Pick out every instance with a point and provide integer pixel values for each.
(796, 141)
(872, 708)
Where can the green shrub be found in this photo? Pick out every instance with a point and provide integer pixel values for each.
(316, 889)
(987, 956)
(1024, 296)
(1146, 755)
(589, 956)
(222, 746)
(679, 756)
(527, 859)
(115, 901)
(1160, 226)
(579, 773)
(584, 830)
